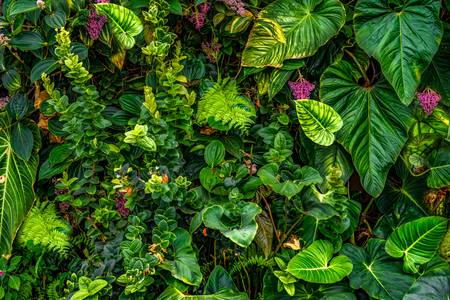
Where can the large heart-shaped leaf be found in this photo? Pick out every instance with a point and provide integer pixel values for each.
(17, 178)
(124, 24)
(172, 293)
(314, 265)
(417, 241)
(307, 25)
(184, 266)
(318, 121)
(440, 168)
(375, 122)
(377, 273)
(402, 35)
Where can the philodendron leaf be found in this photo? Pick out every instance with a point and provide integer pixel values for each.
(314, 265)
(402, 35)
(172, 293)
(17, 178)
(235, 221)
(375, 272)
(375, 122)
(307, 25)
(440, 168)
(124, 24)
(417, 241)
(184, 266)
(319, 121)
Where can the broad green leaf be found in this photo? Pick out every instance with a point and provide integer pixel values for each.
(17, 178)
(218, 280)
(314, 265)
(319, 121)
(333, 163)
(214, 153)
(46, 66)
(417, 241)
(375, 122)
(11, 80)
(184, 267)
(377, 273)
(402, 35)
(278, 79)
(22, 141)
(440, 168)
(235, 221)
(172, 293)
(28, 41)
(56, 19)
(307, 25)
(22, 6)
(124, 24)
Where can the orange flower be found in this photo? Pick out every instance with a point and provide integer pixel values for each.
(204, 232)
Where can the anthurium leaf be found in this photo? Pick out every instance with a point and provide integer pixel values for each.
(402, 35)
(241, 229)
(374, 122)
(315, 264)
(319, 121)
(185, 266)
(124, 24)
(307, 25)
(440, 168)
(417, 241)
(377, 273)
(17, 178)
(218, 280)
(333, 163)
(433, 284)
(172, 293)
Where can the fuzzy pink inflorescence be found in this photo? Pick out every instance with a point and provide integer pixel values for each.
(301, 89)
(211, 50)
(120, 204)
(95, 24)
(236, 5)
(428, 99)
(102, 1)
(198, 16)
(3, 102)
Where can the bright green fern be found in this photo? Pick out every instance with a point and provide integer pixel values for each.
(44, 228)
(223, 104)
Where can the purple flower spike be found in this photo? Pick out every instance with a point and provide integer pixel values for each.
(428, 99)
(198, 17)
(95, 24)
(301, 89)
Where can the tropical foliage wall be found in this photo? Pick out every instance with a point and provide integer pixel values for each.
(224, 149)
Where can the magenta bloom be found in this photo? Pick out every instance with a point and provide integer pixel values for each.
(120, 204)
(211, 50)
(2, 273)
(236, 5)
(301, 89)
(95, 24)
(428, 99)
(198, 17)
(3, 102)
(101, 1)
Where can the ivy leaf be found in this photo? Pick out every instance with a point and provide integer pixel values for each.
(417, 241)
(375, 122)
(403, 36)
(319, 121)
(124, 24)
(307, 25)
(377, 273)
(314, 264)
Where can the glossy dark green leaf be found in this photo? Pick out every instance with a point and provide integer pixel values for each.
(28, 41)
(375, 122)
(218, 280)
(56, 19)
(214, 153)
(11, 80)
(22, 141)
(22, 6)
(439, 176)
(46, 66)
(172, 293)
(403, 36)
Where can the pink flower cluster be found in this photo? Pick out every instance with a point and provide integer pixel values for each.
(95, 24)
(428, 99)
(120, 204)
(301, 89)
(3, 102)
(198, 16)
(211, 50)
(102, 1)
(64, 206)
(236, 5)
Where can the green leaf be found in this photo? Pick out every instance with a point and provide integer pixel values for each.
(208, 178)
(96, 286)
(124, 24)
(214, 153)
(375, 122)
(28, 41)
(172, 293)
(440, 168)
(185, 266)
(218, 280)
(319, 121)
(377, 273)
(235, 221)
(278, 79)
(22, 6)
(22, 141)
(314, 265)
(16, 185)
(307, 25)
(46, 66)
(11, 80)
(333, 163)
(417, 241)
(402, 35)
(56, 19)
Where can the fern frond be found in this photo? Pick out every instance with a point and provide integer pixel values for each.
(43, 227)
(224, 104)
